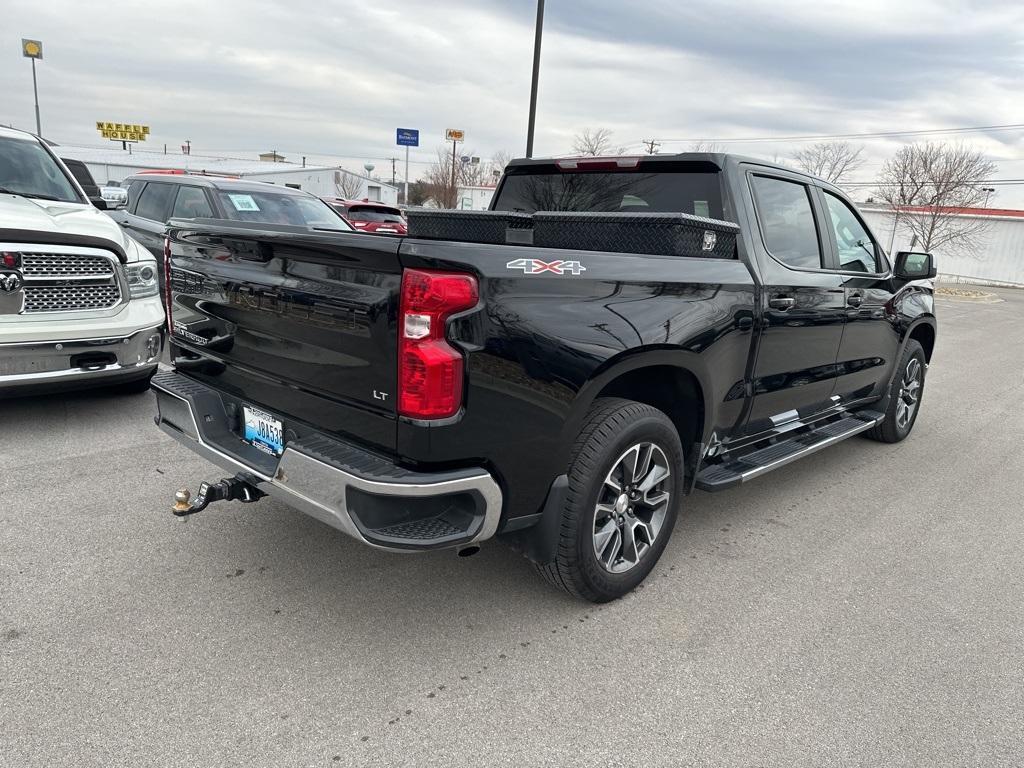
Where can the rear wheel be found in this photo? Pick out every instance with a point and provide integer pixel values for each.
(625, 479)
(904, 397)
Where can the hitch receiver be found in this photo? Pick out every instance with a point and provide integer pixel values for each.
(235, 488)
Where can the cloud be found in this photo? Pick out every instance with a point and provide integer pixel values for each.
(334, 79)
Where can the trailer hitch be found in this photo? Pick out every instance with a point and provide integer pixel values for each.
(236, 488)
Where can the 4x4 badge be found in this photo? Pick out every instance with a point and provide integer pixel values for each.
(536, 266)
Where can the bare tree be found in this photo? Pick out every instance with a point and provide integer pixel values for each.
(438, 179)
(437, 183)
(349, 185)
(934, 180)
(833, 161)
(419, 193)
(596, 141)
(499, 160)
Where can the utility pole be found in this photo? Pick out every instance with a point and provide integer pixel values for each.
(455, 189)
(652, 145)
(393, 159)
(538, 33)
(188, 146)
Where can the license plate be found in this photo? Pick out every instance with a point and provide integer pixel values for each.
(263, 431)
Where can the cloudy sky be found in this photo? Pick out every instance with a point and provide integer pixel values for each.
(332, 79)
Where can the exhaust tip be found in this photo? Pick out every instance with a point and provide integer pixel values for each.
(468, 551)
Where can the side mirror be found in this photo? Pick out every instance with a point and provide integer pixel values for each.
(914, 265)
(99, 203)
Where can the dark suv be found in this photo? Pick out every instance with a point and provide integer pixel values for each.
(155, 197)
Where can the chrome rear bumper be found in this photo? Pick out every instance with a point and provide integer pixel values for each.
(357, 492)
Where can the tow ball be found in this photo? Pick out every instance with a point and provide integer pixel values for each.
(234, 488)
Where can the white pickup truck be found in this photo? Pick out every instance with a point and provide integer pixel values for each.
(79, 299)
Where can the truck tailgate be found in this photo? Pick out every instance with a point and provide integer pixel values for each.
(302, 323)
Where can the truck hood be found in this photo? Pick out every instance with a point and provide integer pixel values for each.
(25, 220)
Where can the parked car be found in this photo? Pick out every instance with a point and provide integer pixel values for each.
(154, 197)
(558, 379)
(368, 216)
(115, 195)
(78, 297)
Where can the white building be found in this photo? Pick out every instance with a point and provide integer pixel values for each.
(475, 198)
(324, 181)
(998, 259)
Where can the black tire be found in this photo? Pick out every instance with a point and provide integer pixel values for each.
(612, 429)
(135, 386)
(892, 429)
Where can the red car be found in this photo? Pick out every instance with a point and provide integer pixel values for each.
(367, 216)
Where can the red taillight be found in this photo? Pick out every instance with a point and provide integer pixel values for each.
(430, 370)
(167, 286)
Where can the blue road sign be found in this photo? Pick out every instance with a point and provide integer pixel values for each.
(408, 137)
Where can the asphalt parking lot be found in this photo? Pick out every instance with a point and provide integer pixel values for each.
(861, 607)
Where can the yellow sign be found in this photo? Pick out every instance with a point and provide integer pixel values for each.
(32, 49)
(123, 131)
(454, 134)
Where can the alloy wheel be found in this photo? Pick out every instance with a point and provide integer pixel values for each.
(910, 393)
(631, 508)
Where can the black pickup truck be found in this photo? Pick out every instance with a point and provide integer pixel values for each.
(557, 372)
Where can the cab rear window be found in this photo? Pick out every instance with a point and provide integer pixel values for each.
(695, 190)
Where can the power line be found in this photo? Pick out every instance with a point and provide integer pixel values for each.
(867, 135)
(991, 182)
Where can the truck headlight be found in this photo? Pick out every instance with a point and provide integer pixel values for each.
(142, 279)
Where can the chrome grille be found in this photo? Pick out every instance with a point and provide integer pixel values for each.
(69, 282)
(65, 265)
(40, 298)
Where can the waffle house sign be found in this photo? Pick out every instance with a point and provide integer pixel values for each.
(123, 131)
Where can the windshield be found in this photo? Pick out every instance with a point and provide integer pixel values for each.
(29, 170)
(545, 188)
(375, 214)
(274, 208)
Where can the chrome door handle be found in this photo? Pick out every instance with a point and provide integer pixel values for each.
(782, 303)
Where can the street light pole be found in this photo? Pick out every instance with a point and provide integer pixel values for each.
(35, 92)
(536, 76)
(988, 191)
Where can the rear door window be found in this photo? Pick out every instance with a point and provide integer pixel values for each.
(191, 203)
(155, 201)
(786, 217)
